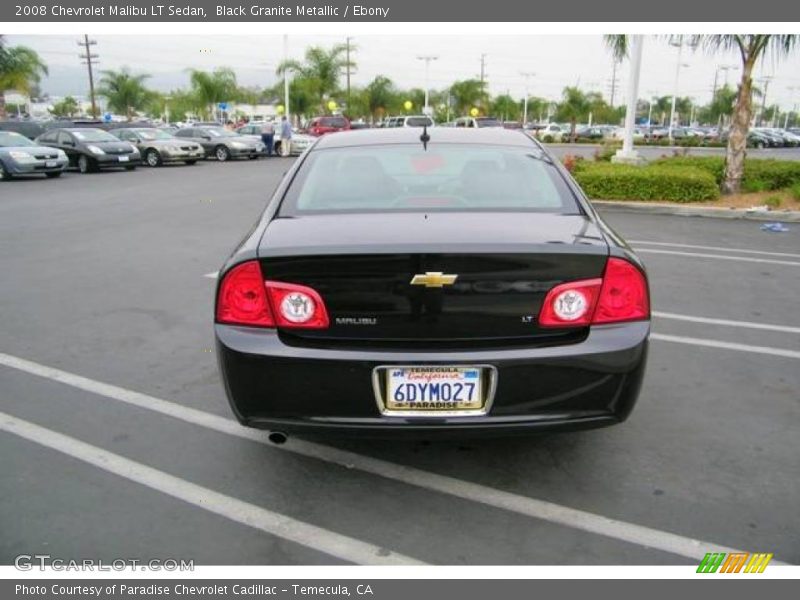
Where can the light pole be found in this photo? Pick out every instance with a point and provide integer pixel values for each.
(527, 75)
(793, 109)
(678, 66)
(427, 59)
(286, 79)
(627, 153)
(725, 68)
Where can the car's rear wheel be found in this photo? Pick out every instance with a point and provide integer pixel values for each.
(86, 164)
(153, 158)
(222, 153)
(191, 162)
(54, 175)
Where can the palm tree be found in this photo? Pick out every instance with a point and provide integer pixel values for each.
(322, 68)
(381, 95)
(209, 89)
(504, 107)
(124, 92)
(574, 106)
(466, 94)
(751, 48)
(68, 107)
(20, 69)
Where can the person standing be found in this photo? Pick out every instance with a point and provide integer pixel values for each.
(268, 136)
(286, 136)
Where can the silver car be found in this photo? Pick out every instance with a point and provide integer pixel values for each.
(300, 141)
(221, 143)
(21, 156)
(158, 146)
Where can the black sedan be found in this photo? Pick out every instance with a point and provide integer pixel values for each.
(92, 149)
(434, 282)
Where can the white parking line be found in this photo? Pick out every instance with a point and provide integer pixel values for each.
(323, 540)
(719, 248)
(787, 263)
(726, 345)
(727, 322)
(523, 505)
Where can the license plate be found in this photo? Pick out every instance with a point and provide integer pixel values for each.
(123, 159)
(51, 163)
(433, 389)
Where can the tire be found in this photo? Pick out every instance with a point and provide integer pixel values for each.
(130, 168)
(253, 156)
(4, 174)
(53, 175)
(222, 153)
(191, 162)
(153, 158)
(86, 164)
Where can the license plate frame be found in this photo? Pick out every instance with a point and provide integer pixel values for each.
(124, 159)
(380, 384)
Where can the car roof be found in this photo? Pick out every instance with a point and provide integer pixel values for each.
(447, 135)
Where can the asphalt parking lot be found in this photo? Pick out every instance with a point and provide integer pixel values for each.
(118, 442)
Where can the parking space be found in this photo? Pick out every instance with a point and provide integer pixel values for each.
(114, 414)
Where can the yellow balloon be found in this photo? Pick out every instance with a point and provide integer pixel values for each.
(331, 105)
(408, 105)
(281, 109)
(474, 112)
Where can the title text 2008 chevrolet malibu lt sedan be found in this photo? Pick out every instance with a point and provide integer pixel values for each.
(435, 282)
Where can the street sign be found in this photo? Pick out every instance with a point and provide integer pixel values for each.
(222, 106)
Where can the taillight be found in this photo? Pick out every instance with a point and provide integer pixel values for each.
(621, 295)
(242, 298)
(297, 306)
(245, 298)
(624, 296)
(570, 304)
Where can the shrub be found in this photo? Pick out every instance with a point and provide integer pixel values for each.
(570, 162)
(773, 201)
(606, 151)
(794, 191)
(548, 139)
(623, 182)
(759, 174)
(754, 186)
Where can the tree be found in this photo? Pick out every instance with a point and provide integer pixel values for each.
(68, 107)
(322, 68)
(466, 94)
(21, 69)
(574, 106)
(209, 89)
(504, 107)
(751, 48)
(381, 96)
(125, 93)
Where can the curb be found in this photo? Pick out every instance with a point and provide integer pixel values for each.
(788, 216)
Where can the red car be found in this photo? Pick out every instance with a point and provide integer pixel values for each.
(323, 125)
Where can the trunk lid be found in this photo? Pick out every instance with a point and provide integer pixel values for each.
(363, 267)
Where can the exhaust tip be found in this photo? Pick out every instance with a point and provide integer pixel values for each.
(277, 437)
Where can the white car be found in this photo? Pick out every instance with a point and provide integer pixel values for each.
(409, 121)
(638, 134)
(556, 133)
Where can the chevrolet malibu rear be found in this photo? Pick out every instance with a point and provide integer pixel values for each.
(431, 282)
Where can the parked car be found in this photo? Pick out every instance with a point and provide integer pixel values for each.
(30, 129)
(467, 288)
(552, 132)
(322, 125)
(478, 122)
(592, 134)
(639, 134)
(91, 149)
(158, 147)
(409, 121)
(21, 156)
(300, 141)
(221, 143)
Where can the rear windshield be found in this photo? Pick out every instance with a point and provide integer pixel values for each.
(418, 121)
(333, 122)
(446, 177)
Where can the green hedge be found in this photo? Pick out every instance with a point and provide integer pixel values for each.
(606, 181)
(767, 174)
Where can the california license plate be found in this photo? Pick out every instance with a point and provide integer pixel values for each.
(123, 159)
(434, 389)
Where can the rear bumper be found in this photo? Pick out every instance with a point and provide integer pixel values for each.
(273, 385)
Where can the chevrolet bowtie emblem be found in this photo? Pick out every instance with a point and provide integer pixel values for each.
(434, 279)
